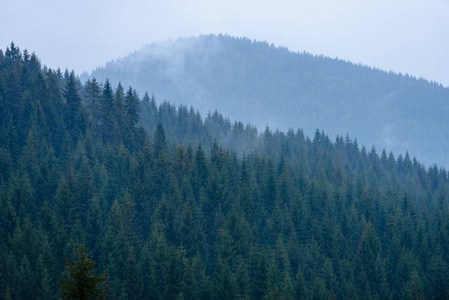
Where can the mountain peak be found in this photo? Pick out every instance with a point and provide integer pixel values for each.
(260, 83)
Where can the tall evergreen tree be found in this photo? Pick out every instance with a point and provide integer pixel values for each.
(132, 107)
(83, 283)
(74, 112)
(93, 91)
(107, 113)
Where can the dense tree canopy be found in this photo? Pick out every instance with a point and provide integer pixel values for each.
(200, 209)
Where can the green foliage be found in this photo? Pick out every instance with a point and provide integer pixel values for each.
(278, 215)
(74, 111)
(83, 284)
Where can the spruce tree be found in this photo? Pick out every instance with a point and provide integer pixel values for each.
(83, 284)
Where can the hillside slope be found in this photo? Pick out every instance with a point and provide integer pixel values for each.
(293, 219)
(265, 85)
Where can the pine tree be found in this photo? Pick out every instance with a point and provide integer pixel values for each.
(132, 107)
(161, 166)
(200, 287)
(300, 286)
(28, 282)
(438, 282)
(106, 112)
(83, 284)
(369, 265)
(226, 282)
(94, 227)
(144, 272)
(258, 274)
(131, 282)
(93, 91)
(74, 111)
(174, 273)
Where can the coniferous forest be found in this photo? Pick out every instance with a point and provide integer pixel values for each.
(171, 205)
(259, 83)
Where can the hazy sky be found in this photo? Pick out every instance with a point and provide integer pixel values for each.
(401, 35)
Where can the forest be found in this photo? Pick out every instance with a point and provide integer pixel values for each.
(171, 205)
(259, 83)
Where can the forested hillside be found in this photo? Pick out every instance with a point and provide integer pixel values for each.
(283, 216)
(264, 85)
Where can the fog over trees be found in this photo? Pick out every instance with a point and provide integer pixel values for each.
(171, 203)
(258, 83)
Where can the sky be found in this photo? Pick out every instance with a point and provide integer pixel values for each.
(404, 36)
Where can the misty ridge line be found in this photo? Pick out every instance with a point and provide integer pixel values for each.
(261, 84)
(174, 50)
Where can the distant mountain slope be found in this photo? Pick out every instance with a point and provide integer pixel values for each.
(258, 83)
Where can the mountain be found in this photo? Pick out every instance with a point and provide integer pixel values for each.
(81, 181)
(266, 85)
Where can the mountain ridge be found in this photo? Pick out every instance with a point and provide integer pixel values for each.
(264, 85)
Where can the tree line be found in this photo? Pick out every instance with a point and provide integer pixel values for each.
(198, 209)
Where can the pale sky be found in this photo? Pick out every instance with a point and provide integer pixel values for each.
(405, 36)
